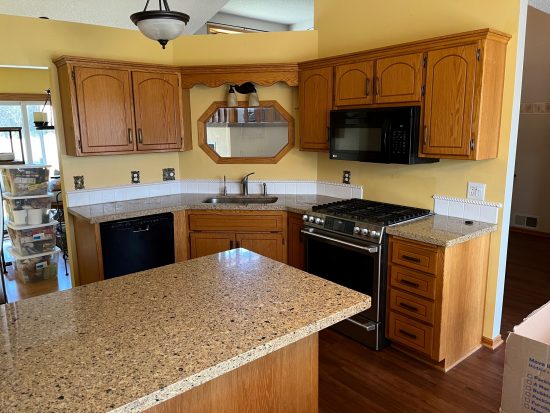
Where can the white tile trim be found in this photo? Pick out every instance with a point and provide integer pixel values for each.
(209, 186)
(468, 201)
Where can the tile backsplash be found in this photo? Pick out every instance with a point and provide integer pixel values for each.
(204, 186)
(467, 208)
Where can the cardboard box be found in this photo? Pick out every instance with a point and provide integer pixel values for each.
(526, 385)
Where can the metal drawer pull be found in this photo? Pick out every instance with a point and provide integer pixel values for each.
(409, 283)
(367, 86)
(409, 258)
(130, 140)
(408, 307)
(406, 333)
(372, 250)
(140, 135)
(369, 326)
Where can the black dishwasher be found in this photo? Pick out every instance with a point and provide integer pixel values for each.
(137, 244)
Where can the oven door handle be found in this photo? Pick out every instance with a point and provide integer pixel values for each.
(371, 250)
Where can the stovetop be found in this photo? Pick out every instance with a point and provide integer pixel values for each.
(363, 220)
(370, 211)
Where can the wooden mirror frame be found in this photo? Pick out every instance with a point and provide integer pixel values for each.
(201, 128)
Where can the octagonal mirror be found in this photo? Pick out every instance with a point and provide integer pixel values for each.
(243, 134)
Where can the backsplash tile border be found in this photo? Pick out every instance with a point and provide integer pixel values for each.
(465, 208)
(209, 186)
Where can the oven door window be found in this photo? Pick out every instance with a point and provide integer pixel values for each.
(350, 268)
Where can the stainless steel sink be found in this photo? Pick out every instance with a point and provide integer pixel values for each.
(241, 199)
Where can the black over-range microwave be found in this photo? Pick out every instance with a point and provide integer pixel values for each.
(383, 135)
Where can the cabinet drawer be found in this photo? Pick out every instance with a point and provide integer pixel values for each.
(412, 281)
(415, 256)
(268, 221)
(410, 333)
(408, 304)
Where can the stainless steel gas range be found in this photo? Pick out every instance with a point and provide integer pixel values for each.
(345, 242)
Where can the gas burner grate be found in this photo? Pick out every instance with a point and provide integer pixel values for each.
(371, 211)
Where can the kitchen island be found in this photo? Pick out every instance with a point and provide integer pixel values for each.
(228, 332)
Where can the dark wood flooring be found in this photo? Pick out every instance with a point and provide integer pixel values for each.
(353, 378)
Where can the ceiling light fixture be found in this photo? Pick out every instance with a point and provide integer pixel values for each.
(160, 25)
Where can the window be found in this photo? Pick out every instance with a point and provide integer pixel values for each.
(219, 28)
(40, 146)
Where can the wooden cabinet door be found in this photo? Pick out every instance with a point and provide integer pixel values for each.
(398, 79)
(315, 104)
(267, 244)
(354, 84)
(157, 101)
(296, 254)
(448, 110)
(206, 243)
(105, 114)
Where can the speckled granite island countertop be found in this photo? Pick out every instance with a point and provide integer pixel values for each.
(129, 343)
(148, 206)
(441, 230)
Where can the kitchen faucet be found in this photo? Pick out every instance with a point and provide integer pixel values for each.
(244, 183)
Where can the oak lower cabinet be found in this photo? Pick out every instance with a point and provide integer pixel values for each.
(315, 89)
(211, 232)
(436, 298)
(120, 108)
(296, 252)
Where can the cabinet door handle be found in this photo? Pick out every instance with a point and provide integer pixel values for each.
(376, 86)
(130, 140)
(140, 135)
(409, 258)
(409, 283)
(231, 244)
(426, 137)
(406, 333)
(367, 83)
(408, 307)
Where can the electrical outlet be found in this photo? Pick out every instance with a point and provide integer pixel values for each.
(476, 190)
(346, 177)
(135, 177)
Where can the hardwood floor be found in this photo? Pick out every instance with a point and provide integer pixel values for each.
(353, 378)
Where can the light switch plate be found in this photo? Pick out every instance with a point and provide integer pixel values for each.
(476, 191)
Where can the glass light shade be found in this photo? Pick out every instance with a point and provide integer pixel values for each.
(253, 99)
(232, 98)
(161, 28)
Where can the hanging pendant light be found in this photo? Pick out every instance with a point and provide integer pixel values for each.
(160, 25)
(41, 118)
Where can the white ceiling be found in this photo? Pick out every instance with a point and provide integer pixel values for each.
(117, 13)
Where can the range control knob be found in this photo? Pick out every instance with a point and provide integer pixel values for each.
(356, 230)
(374, 234)
(319, 221)
(305, 217)
(311, 219)
(364, 232)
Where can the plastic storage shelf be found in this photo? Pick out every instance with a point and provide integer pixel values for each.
(28, 210)
(35, 267)
(33, 239)
(20, 180)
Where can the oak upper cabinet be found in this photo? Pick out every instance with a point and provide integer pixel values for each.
(120, 107)
(315, 88)
(354, 84)
(398, 79)
(463, 101)
(157, 110)
(395, 79)
(105, 111)
(450, 91)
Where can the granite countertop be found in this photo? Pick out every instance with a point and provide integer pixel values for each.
(441, 230)
(148, 206)
(129, 343)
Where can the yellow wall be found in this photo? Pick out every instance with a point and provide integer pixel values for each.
(24, 80)
(376, 24)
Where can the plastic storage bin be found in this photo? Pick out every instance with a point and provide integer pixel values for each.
(28, 210)
(35, 239)
(35, 267)
(21, 180)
